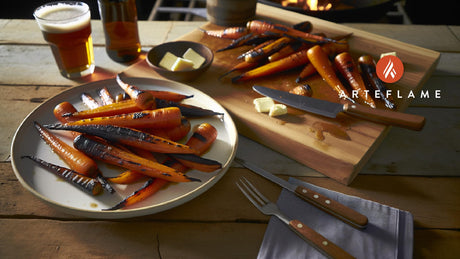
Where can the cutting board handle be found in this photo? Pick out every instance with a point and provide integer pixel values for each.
(404, 120)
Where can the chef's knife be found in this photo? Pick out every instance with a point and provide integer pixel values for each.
(328, 205)
(331, 109)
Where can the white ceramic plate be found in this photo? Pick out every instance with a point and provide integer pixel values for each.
(66, 197)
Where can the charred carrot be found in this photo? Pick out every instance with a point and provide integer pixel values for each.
(129, 137)
(175, 133)
(89, 101)
(304, 90)
(303, 26)
(117, 108)
(202, 138)
(265, 51)
(161, 118)
(261, 45)
(116, 156)
(130, 176)
(288, 50)
(227, 33)
(106, 97)
(348, 68)
(63, 111)
(321, 62)
(237, 43)
(143, 99)
(83, 182)
(168, 95)
(307, 71)
(198, 163)
(256, 26)
(292, 61)
(187, 109)
(367, 65)
(75, 159)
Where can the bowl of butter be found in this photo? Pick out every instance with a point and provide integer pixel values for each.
(180, 60)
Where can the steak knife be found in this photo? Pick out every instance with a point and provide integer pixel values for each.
(331, 109)
(324, 203)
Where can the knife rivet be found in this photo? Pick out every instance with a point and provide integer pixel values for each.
(304, 191)
(327, 201)
(299, 225)
(316, 196)
(325, 243)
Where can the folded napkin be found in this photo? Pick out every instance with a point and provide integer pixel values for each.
(389, 233)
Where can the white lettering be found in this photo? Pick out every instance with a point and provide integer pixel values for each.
(354, 94)
(411, 94)
(343, 95)
(388, 93)
(399, 94)
(424, 94)
(377, 94)
(437, 94)
(367, 92)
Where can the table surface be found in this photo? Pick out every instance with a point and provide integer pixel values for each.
(413, 171)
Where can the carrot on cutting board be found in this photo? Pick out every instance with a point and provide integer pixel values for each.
(83, 182)
(161, 118)
(74, 158)
(324, 67)
(349, 70)
(203, 137)
(116, 156)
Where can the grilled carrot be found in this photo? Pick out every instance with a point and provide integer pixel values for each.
(161, 118)
(75, 159)
(105, 96)
(187, 109)
(202, 138)
(129, 137)
(288, 50)
(63, 111)
(116, 156)
(321, 62)
(175, 133)
(292, 61)
(227, 33)
(143, 99)
(130, 176)
(265, 51)
(196, 162)
(116, 108)
(85, 183)
(348, 68)
(89, 101)
(261, 45)
(168, 95)
(367, 65)
(256, 26)
(307, 71)
(303, 26)
(238, 42)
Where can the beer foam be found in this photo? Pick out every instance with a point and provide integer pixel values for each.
(60, 18)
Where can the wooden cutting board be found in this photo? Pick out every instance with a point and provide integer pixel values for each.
(298, 134)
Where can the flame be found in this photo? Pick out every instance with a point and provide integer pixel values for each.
(312, 5)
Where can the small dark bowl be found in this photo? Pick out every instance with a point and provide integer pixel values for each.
(178, 48)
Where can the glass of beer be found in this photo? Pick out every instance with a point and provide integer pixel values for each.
(67, 29)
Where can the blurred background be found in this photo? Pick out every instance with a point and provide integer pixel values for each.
(444, 12)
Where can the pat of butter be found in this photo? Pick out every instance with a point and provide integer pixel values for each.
(263, 104)
(388, 54)
(168, 60)
(196, 58)
(277, 110)
(182, 64)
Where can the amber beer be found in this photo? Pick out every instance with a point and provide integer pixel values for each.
(67, 29)
(119, 18)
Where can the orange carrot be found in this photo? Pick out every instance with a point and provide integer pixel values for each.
(85, 183)
(201, 140)
(175, 133)
(76, 159)
(348, 68)
(130, 137)
(116, 156)
(130, 176)
(227, 33)
(89, 101)
(168, 95)
(161, 118)
(117, 108)
(143, 99)
(288, 50)
(307, 71)
(321, 62)
(265, 51)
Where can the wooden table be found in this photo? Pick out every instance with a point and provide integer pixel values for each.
(414, 171)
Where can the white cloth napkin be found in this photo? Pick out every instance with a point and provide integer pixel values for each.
(389, 233)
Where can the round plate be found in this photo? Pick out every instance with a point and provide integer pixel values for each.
(66, 197)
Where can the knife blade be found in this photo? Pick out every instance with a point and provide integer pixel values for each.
(331, 109)
(322, 202)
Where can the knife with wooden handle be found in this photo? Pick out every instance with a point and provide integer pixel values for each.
(324, 203)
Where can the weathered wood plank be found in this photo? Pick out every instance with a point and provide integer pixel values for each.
(434, 202)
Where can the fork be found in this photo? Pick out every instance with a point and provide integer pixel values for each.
(312, 237)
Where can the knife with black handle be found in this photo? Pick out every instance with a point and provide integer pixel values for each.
(324, 203)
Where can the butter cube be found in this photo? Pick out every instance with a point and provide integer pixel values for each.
(263, 104)
(277, 110)
(168, 60)
(182, 64)
(196, 58)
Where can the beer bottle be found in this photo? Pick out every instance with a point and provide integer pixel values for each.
(119, 19)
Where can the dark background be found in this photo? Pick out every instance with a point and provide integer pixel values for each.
(419, 11)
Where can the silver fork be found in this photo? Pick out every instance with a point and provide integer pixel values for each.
(312, 237)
